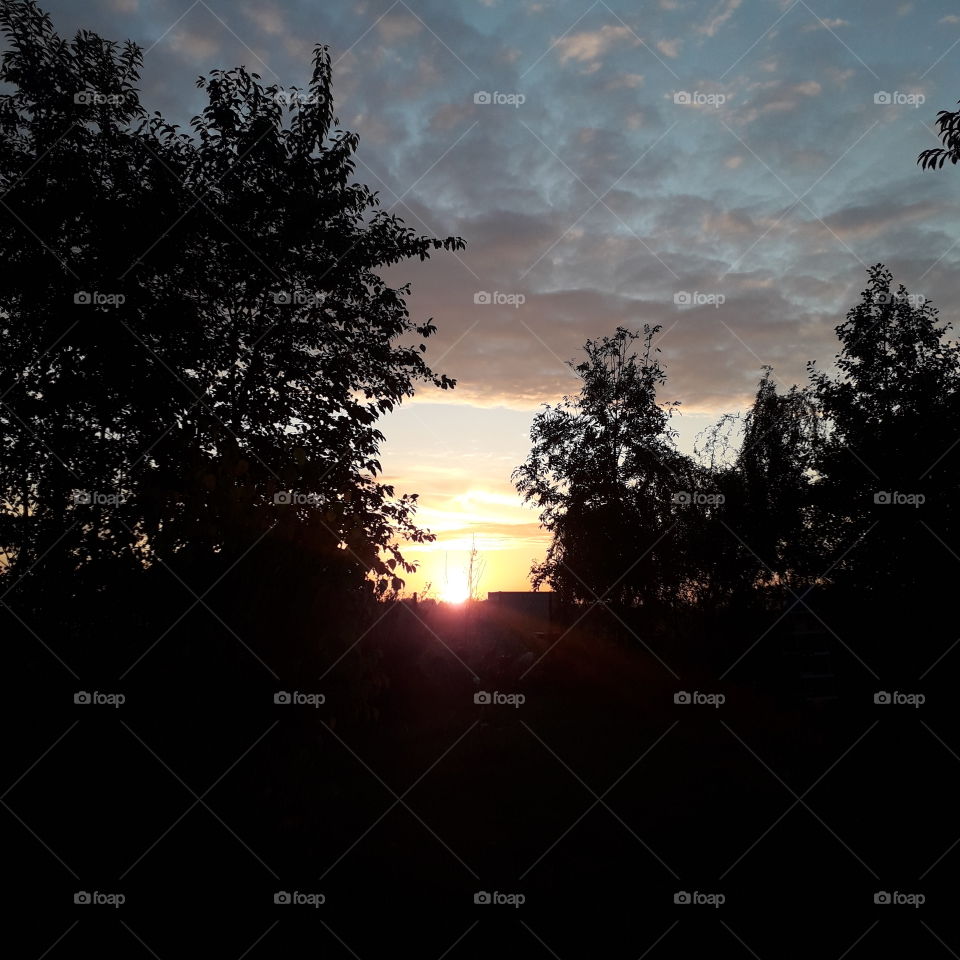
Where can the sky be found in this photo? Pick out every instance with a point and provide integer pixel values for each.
(727, 170)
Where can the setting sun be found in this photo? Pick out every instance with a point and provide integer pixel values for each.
(456, 590)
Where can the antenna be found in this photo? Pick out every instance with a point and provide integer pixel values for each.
(473, 553)
(475, 570)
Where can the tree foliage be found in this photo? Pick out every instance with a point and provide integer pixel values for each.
(891, 411)
(933, 159)
(806, 489)
(602, 470)
(195, 324)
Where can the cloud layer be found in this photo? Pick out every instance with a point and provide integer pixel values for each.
(724, 170)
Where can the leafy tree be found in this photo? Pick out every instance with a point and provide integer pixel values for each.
(760, 536)
(194, 323)
(892, 414)
(602, 471)
(934, 158)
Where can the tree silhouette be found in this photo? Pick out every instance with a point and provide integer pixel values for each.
(934, 158)
(602, 471)
(891, 413)
(815, 472)
(198, 342)
(765, 538)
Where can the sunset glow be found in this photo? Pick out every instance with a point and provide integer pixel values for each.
(466, 497)
(456, 591)
(499, 402)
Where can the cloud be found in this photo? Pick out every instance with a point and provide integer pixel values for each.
(451, 116)
(763, 98)
(720, 14)
(670, 48)
(396, 27)
(872, 218)
(589, 45)
(693, 207)
(268, 19)
(629, 81)
(193, 45)
(825, 23)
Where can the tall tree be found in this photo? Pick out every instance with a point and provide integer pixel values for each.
(199, 343)
(760, 536)
(892, 413)
(602, 470)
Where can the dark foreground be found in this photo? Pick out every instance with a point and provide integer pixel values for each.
(596, 801)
